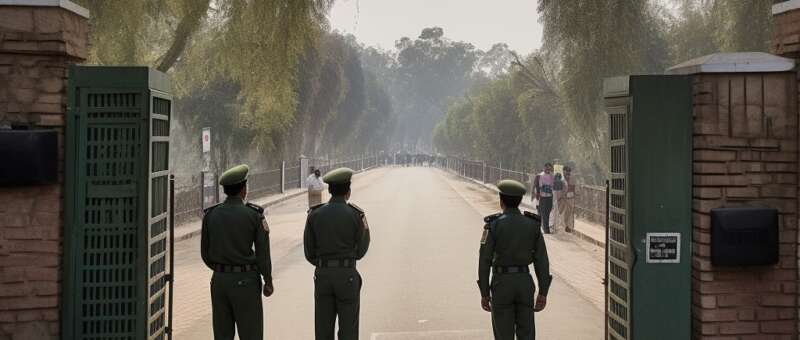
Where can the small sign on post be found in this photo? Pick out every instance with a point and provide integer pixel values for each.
(663, 248)
(206, 141)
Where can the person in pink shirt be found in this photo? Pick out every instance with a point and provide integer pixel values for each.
(543, 193)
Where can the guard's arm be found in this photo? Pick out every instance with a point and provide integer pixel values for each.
(541, 264)
(362, 237)
(263, 256)
(205, 243)
(485, 260)
(310, 243)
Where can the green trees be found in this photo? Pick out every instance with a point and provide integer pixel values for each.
(430, 70)
(556, 93)
(272, 80)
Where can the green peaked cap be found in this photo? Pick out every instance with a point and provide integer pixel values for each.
(234, 175)
(338, 176)
(511, 187)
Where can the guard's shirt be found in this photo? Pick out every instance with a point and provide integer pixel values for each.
(513, 239)
(235, 233)
(335, 230)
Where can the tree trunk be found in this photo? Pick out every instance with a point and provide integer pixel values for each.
(186, 27)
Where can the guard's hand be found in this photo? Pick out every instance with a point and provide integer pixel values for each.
(486, 303)
(268, 288)
(541, 302)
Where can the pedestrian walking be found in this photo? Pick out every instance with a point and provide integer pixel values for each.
(315, 187)
(543, 194)
(566, 202)
(235, 245)
(335, 237)
(511, 241)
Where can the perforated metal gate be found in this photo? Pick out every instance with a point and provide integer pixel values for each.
(618, 243)
(116, 275)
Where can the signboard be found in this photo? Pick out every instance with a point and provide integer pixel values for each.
(209, 189)
(663, 247)
(206, 141)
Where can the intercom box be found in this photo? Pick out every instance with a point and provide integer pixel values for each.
(28, 157)
(744, 236)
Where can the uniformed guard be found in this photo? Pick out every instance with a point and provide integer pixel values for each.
(511, 241)
(335, 237)
(230, 231)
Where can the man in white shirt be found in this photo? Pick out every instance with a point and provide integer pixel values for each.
(315, 188)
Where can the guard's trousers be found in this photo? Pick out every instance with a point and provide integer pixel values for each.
(512, 306)
(336, 295)
(236, 301)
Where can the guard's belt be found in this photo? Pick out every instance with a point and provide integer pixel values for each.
(232, 268)
(337, 263)
(511, 269)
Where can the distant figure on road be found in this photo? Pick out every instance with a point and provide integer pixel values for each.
(315, 187)
(230, 231)
(566, 202)
(335, 237)
(543, 193)
(511, 241)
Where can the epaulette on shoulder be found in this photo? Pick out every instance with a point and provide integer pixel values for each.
(208, 210)
(356, 208)
(491, 218)
(532, 216)
(259, 209)
(312, 208)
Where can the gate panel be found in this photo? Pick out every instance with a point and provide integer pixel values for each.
(158, 251)
(117, 213)
(619, 266)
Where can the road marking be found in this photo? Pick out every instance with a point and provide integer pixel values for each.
(473, 334)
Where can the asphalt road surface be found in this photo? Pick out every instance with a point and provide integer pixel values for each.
(419, 274)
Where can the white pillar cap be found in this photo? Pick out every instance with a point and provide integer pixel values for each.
(65, 4)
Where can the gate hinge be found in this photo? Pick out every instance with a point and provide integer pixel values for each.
(169, 277)
(167, 329)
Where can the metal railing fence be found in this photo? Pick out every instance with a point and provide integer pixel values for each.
(590, 200)
(261, 182)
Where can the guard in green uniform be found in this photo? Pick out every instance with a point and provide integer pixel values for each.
(511, 241)
(336, 235)
(231, 231)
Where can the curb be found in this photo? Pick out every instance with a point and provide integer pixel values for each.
(576, 232)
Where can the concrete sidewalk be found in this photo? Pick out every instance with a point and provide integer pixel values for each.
(584, 230)
(191, 228)
(580, 264)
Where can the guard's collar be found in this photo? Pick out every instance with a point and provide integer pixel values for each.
(514, 211)
(234, 200)
(337, 199)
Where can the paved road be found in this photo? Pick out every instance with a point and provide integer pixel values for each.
(419, 274)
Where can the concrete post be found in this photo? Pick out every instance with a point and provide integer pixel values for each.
(283, 176)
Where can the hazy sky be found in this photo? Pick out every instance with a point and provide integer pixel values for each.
(480, 22)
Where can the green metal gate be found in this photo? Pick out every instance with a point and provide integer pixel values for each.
(618, 243)
(116, 277)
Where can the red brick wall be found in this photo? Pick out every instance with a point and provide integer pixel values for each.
(745, 152)
(36, 46)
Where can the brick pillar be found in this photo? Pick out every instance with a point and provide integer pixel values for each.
(37, 43)
(745, 153)
(786, 43)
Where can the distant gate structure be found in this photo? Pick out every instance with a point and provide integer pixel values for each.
(117, 277)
